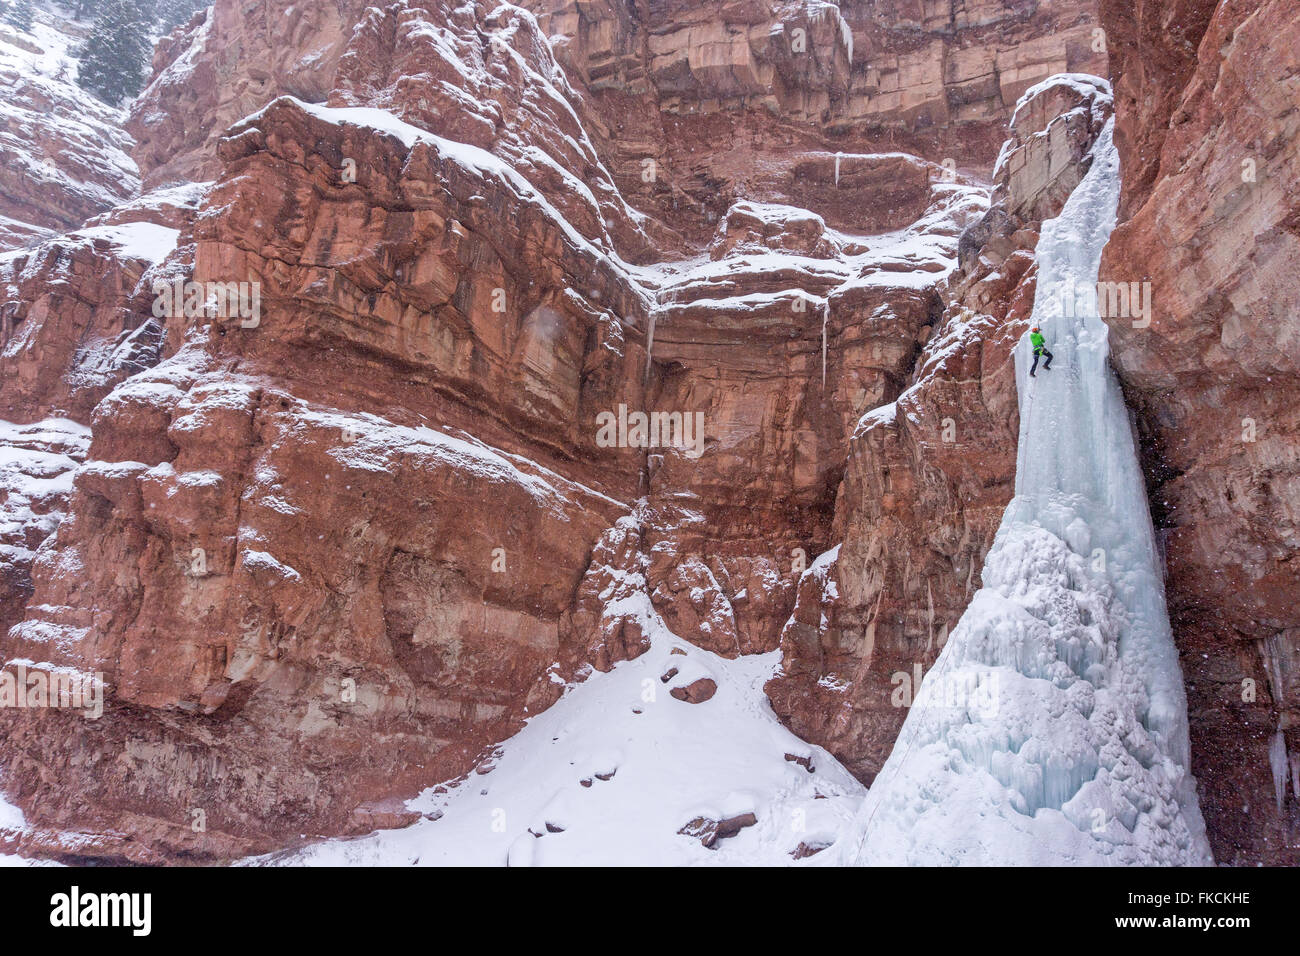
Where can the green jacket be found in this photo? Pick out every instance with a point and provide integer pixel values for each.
(1036, 340)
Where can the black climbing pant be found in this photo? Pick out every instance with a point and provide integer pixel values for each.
(1046, 355)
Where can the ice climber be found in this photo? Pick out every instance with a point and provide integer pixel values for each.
(1036, 340)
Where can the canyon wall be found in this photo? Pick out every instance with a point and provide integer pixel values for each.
(328, 554)
(1210, 141)
(276, 554)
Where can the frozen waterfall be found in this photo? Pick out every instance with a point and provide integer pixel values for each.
(1053, 727)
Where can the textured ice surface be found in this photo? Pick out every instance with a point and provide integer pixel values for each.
(1053, 727)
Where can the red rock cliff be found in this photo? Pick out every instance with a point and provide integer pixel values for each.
(332, 551)
(1208, 133)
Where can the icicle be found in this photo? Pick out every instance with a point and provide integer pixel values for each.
(1295, 775)
(837, 168)
(929, 616)
(649, 350)
(1278, 764)
(1273, 651)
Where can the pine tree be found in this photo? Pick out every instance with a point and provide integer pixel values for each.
(115, 58)
(172, 13)
(17, 13)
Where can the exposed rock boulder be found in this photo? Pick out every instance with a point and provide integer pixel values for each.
(697, 691)
(709, 831)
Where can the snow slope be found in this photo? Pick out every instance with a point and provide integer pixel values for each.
(12, 824)
(545, 800)
(1053, 727)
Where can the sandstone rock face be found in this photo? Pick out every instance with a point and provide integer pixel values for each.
(1048, 152)
(1046, 156)
(506, 95)
(226, 63)
(395, 641)
(76, 316)
(781, 358)
(1153, 54)
(715, 95)
(392, 282)
(950, 63)
(386, 642)
(63, 154)
(909, 65)
(1209, 133)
